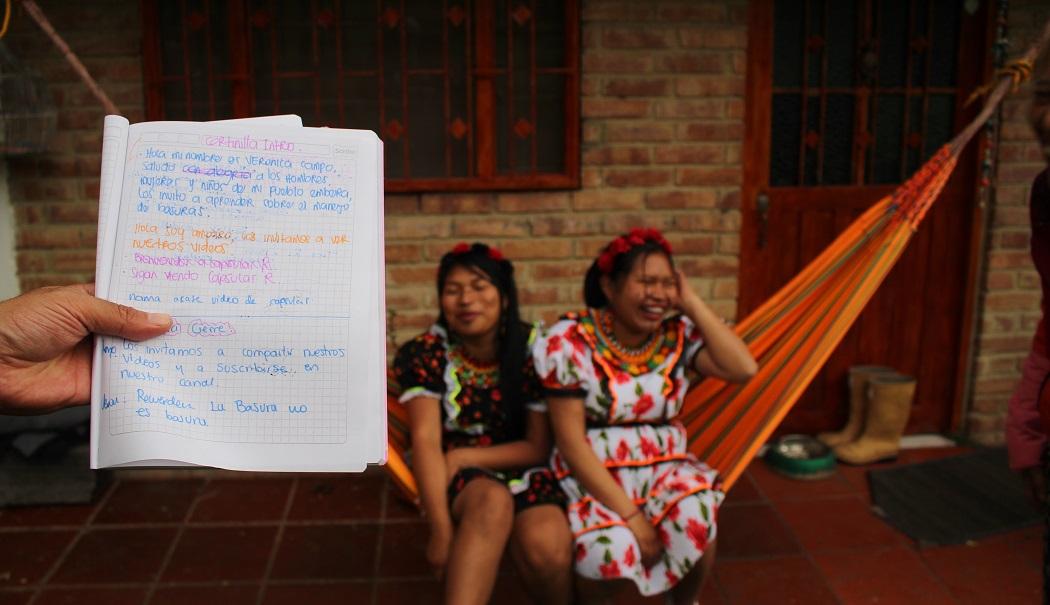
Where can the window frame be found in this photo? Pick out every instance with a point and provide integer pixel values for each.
(482, 151)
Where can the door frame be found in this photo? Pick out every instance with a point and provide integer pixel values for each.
(755, 160)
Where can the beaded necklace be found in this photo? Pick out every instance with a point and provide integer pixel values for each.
(636, 361)
(483, 374)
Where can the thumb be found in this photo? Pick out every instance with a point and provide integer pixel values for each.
(103, 317)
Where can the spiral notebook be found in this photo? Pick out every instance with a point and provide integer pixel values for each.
(264, 240)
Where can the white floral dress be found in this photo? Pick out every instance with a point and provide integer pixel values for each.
(630, 402)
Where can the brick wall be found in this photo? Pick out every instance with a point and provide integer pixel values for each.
(1009, 305)
(662, 106)
(55, 195)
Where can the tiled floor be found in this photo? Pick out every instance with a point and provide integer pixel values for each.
(308, 540)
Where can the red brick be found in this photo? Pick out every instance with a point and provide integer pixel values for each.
(84, 212)
(712, 37)
(1005, 343)
(725, 288)
(617, 12)
(607, 200)
(1011, 216)
(413, 323)
(605, 156)
(735, 109)
(1012, 239)
(730, 200)
(739, 62)
(457, 203)
(707, 108)
(401, 204)
(56, 237)
(711, 131)
(414, 275)
(533, 202)
(29, 214)
(593, 132)
(88, 142)
(77, 119)
(637, 178)
(729, 244)
(90, 189)
(1000, 280)
(637, 37)
(638, 132)
(708, 176)
(401, 227)
(707, 220)
(689, 154)
(988, 404)
(615, 224)
(1011, 301)
(537, 248)
(566, 225)
(710, 13)
(32, 282)
(89, 166)
(1023, 173)
(406, 301)
(52, 166)
(614, 108)
(590, 86)
(403, 253)
(637, 88)
(46, 190)
(1012, 195)
(590, 178)
(531, 295)
(709, 86)
(702, 244)
(1008, 259)
(692, 62)
(569, 269)
(491, 227)
(68, 261)
(31, 261)
(994, 386)
(680, 198)
(616, 63)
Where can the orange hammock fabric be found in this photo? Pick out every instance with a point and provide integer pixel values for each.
(793, 333)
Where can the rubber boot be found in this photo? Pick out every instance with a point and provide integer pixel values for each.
(889, 405)
(858, 393)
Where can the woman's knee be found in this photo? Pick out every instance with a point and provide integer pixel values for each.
(487, 504)
(543, 540)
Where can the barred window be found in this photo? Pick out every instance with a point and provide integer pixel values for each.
(466, 94)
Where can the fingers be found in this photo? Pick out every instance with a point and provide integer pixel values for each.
(103, 317)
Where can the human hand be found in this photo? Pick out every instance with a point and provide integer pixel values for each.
(455, 460)
(438, 547)
(45, 344)
(1035, 481)
(687, 297)
(649, 546)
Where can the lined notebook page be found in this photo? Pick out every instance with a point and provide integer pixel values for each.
(262, 244)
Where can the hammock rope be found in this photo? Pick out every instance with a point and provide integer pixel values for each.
(793, 333)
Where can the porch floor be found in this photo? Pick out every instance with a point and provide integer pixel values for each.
(313, 540)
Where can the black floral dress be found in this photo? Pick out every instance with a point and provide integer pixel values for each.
(472, 415)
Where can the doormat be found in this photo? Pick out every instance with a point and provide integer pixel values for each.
(953, 500)
(64, 480)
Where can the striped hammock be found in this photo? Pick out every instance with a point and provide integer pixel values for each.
(793, 333)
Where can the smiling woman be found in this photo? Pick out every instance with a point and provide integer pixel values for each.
(641, 507)
(480, 436)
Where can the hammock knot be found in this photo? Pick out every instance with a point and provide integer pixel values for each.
(1019, 72)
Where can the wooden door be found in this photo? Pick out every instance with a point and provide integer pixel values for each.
(846, 99)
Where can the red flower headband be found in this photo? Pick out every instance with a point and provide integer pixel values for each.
(624, 243)
(464, 247)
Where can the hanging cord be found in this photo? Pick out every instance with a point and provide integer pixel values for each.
(1019, 72)
(7, 18)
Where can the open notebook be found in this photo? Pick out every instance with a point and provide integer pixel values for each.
(264, 240)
